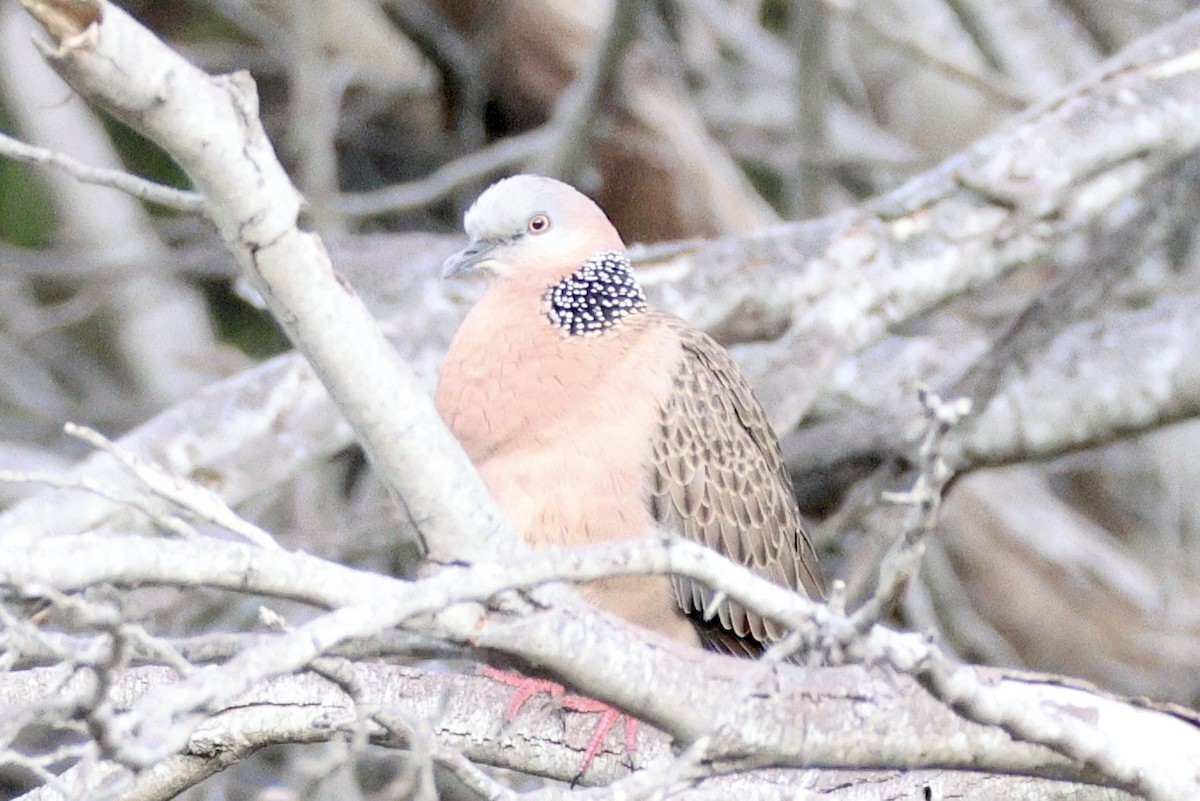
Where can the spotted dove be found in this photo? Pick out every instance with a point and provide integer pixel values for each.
(592, 416)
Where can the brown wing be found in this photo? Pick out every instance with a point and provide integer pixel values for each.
(718, 478)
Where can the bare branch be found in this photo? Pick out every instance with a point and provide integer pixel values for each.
(120, 65)
(259, 427)
(485, 162)
(592, 651)
(903, 559)
(996, 85)
(204, 503)
(466, 713)
(809, 29)
(1147, 382)
(118, 495)
(142, 189)
(836, 285)
(578, 104)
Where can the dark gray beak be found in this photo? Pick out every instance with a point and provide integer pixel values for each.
(467, 258)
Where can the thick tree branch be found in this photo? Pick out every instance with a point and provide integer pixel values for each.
(838, 284)
(599, 653)
(466, 713)
(210, 126)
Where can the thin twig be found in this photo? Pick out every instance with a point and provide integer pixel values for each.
(809, 28)
(178, 199)
(35, 646)
(461, 61)
(202, 502)
(997, 86)
(414, 195)
(925, 498)
(112, 492)
(578, 104)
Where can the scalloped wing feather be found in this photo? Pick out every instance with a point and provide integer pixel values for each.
(718, 478)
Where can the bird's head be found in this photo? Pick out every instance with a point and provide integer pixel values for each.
(528, 226)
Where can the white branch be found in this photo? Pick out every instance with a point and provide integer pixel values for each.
(1153, 751)
(142, 189)
(466, 713)
(244, 434)
(210, 126)
(189, 495)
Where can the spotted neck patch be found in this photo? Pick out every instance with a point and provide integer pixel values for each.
(596, 297)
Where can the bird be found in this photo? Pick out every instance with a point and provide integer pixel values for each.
(593, 416)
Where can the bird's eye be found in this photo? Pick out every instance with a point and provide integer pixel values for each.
(539, 224)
